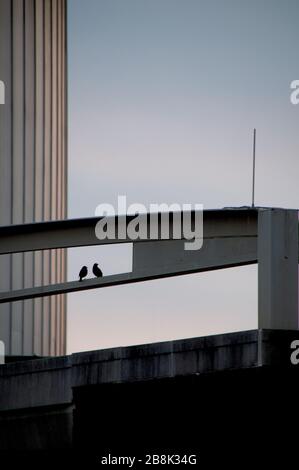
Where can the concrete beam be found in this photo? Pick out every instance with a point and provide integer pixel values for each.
(231, 238)
(50, 381)
(81, 232)
(90, 400)
(156, 260)
(170, 257)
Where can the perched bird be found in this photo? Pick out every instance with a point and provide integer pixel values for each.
(96, 270)
(83, 273)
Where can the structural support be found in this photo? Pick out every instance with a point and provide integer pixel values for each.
(170, 257)
(155, 260)
(278, 269)
(229, 239)
(81, 232)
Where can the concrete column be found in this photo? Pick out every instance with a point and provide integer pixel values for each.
(33, 165)
(278, 269)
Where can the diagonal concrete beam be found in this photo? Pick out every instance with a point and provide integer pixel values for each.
(229, 240)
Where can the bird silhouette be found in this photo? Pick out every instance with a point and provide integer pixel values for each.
(83, 273)
(96, 270)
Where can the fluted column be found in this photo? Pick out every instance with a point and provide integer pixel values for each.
(33, 165)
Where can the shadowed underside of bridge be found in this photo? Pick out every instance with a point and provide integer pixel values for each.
(194, 395)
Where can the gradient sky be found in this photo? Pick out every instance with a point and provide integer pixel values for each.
(163, 97)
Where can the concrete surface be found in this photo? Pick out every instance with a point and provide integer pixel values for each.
(38, 398)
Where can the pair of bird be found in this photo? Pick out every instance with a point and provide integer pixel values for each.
(95, 269)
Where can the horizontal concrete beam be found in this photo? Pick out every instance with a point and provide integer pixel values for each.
(51, 381)
(81, 232)
(44, 382)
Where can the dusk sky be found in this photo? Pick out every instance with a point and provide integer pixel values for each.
(163, 98)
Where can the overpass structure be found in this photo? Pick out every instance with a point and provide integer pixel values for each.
(209, 396)
(204, 395)
(231, 237)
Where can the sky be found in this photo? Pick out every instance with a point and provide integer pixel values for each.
(163, 98)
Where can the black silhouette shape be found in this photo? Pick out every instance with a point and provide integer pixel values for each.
(96, 270)
(83, 273)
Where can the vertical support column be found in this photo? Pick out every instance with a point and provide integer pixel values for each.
(5, 161)
(33, 134)
(278, 269)
(18, 157)
(29, 157)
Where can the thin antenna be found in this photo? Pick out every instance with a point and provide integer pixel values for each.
(253, 166)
